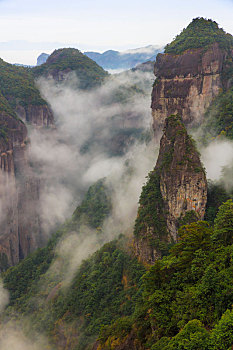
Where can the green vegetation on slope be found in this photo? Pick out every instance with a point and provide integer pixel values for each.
(187, 296)
(200, 33)
(218, 119)
(103, 289)
(7, 125)
(5, 106)
(89, 73)
(216, 195)
(18, 86)
(95, 206)
(151, 212)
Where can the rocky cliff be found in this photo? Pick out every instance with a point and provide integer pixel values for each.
(191, 72)
(176, 191)
(20, 104)
(35, 115)
(186, 84)
(19, 194)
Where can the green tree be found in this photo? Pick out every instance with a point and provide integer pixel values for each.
(222, 334)
(192, 238)
(192, 337)
(223, 224)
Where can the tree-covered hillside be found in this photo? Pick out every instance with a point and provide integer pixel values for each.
(103, 288)
(6, 107)
(218, 119)
(187, 296)
(200, 33)
(184, 301)
(18, 86)
(63, 61)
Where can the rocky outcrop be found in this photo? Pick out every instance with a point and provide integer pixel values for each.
(177, 187)
(36, 115)
(187, 83)
(19, 194)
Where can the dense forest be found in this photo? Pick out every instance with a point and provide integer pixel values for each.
(186, 298)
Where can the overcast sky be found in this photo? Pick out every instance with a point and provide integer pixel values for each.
(43, 25)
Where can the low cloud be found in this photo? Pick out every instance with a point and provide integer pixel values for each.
(217, 155)
(149, 50)
(12, 337)
(91, 128)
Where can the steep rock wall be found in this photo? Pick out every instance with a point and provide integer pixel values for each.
(19, 194)
(186, 84)
(176, 186)
(36, 115)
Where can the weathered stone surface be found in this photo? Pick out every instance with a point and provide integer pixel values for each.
(176, 186)
(186, 84)
(36, 115)
(19, 194)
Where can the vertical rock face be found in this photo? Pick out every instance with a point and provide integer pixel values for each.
(20, 104)
(186, 84)
(176, 187)
(19, 194)
(36, 115)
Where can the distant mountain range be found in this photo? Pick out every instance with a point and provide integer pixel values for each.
(125, 60)
(118, 60)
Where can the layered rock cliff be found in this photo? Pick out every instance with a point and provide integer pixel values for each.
(19, 194)
(191, 73)
(176, 189)
(20, 104)
(36, 115)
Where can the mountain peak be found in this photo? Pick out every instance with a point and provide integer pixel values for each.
(175, 189)
(64, 61)
(200, 33)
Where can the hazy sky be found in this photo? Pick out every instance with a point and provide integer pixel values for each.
(99, 25)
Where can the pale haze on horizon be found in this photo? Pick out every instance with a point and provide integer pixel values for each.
(28, 28)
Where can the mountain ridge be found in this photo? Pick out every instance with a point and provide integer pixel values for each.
(112, 59)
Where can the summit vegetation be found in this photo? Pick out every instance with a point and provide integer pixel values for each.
(200, 33)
